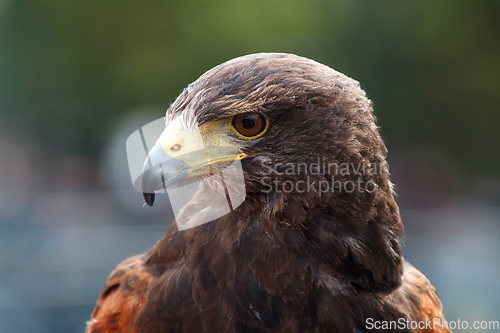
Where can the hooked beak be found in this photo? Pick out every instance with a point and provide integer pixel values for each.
(179, 155)
(159, 172)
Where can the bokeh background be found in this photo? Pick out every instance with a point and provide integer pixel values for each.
(77, 77)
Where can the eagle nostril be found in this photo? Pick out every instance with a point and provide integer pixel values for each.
(175, 147)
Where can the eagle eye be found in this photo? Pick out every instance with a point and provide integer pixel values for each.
(249, 125)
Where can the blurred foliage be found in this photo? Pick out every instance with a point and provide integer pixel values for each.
(70, 69)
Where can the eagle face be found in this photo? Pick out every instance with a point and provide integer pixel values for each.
(291, 145)
(282, 156)
(272, 126)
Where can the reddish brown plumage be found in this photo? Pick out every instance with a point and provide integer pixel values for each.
(128, 288)
(122, 298)
(280, 262)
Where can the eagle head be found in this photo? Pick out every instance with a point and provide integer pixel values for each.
(293, 145)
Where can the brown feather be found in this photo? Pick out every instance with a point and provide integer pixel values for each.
(280, 262)
(122, 298)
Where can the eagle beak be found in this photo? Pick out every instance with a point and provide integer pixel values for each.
(179, 155)
(159, 172)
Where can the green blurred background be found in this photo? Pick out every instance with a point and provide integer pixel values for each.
(77, 77)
